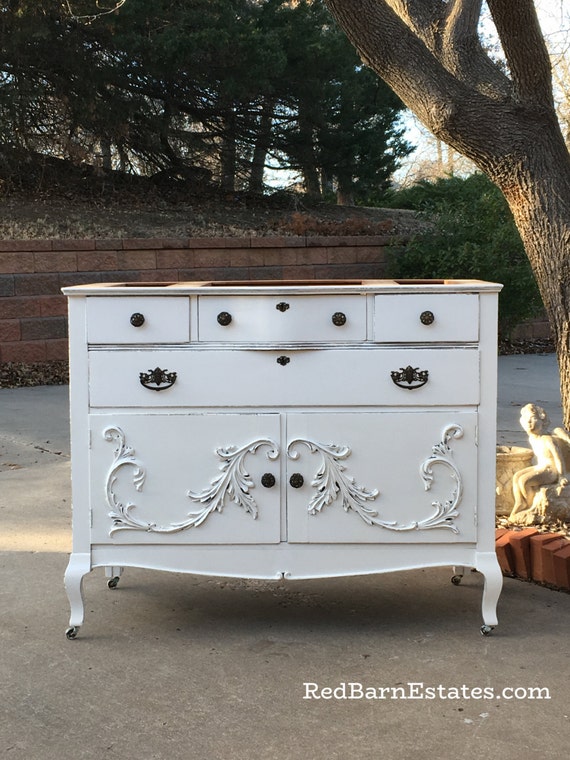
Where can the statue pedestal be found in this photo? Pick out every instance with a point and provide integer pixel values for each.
(510, 459)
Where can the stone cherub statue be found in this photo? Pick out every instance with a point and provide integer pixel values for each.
(542, 491)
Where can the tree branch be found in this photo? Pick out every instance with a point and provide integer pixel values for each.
(525, 51)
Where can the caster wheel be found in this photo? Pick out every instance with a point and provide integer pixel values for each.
(113, 582)
(456, 579)
(71, 633)
(486, 630)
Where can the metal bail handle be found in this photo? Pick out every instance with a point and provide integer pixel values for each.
(157, 379)
(410, 378)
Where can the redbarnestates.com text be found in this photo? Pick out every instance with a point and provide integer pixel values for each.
(418, 690)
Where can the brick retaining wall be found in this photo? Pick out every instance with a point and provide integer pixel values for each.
(33, 312)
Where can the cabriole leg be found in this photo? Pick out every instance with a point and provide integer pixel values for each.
(458, 573)
(79, 565)
(488, 565)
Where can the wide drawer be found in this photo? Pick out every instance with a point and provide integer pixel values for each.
(320, 377)
(142, 319)
(281, 319)
(426, 318)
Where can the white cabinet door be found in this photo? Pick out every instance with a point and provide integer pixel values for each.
(406, 476)
(196, 478)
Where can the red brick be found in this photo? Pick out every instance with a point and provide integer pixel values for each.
(106, 244)
(548, 552)
(56, 261)
(561, 561)
(136, 260)
(57, 350)
(219, 242)
(96, 261)
(520, 544)
(14, 308)
(371, 254)
(9, 330)
(505, 554)
(281, 256)
(537, 544)
(25, 245)
(53, 306)
(174, 259)
(341, 255)
(275, 241)
(24, 351)
(41, 284)
(138, 243)
(15, 263)
(500, 532)
(74, 244)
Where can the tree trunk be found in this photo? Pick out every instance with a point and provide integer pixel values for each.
(228, 153)
(431, 56)
(262, 144)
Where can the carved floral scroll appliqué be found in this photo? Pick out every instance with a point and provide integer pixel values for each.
(233, 482)
(331, 483)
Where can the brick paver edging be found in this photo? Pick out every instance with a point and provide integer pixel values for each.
(33, 312)
(530, 555)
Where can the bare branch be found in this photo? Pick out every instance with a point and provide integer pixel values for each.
(525, 50)
(92, 16)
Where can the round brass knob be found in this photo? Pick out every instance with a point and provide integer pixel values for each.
(339, 318)
(224, 318)
(296, 480)
(137, 319)
(427, 318)
(268, 480)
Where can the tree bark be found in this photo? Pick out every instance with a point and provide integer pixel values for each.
(506, 124)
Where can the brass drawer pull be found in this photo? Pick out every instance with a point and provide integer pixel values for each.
(157, 379)
(410, 378)
(137, 319)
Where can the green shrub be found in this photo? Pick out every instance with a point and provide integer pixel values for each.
(473, 236)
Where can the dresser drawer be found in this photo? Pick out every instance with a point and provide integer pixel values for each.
(288, 319)
(258, 378)
(142, 319)
(426, 318)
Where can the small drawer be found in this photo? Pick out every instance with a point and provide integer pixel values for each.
(426, 318)
(130, 319)
(296, 377)
(282, 319)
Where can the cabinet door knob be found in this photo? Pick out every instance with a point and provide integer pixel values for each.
(224, 318)
(283, 360)
(339, 318)
(427, 318)
(296, 480)
(268, 480)
(137, 319)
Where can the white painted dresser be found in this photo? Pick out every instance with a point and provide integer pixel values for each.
(283, 429)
